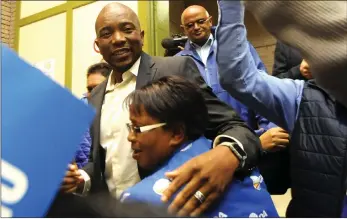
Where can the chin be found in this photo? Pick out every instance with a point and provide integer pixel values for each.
(124, 66)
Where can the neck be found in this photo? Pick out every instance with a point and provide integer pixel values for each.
(117, 76)
(201, 43)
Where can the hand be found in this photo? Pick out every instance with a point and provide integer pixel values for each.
(209, 173)
(305, 70)
(275, 137)
(181, 48)
(72, 179)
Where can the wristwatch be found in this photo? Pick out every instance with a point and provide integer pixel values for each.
(237, 151)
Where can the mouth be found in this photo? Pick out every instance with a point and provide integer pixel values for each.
(119, 53)
(136, 153)
(198, 33)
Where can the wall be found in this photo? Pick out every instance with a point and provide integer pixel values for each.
(83, 54)
(8, 12)
(262, 41)
(175, 10)
(58, 37)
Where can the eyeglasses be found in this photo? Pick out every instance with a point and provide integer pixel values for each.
(135, 129)
(199, 22)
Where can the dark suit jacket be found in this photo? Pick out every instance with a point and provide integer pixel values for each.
(287, 62)
(222, 118)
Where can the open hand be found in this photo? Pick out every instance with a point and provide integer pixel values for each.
(209, 173)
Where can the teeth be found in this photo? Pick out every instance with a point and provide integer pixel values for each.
(120, 52)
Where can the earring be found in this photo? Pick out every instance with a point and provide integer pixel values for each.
(95, 48)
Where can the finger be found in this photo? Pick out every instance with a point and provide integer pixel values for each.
(73, 189)
(282, 135)
(172, 175)
(179, 177)
(193, 203)
(204, 206)
(187, 192)
(280, 141)
(70, 180)
(67, 187)
(72, 174)
(72, 167)
(181, 48)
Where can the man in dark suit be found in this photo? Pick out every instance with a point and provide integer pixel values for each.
(120, 40)
(288, 63)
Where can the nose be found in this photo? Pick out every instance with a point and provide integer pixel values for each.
(196, 26)
(118, 38)
(131, 137)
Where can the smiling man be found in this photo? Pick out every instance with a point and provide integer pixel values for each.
(120, 40)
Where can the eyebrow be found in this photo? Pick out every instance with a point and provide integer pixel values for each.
(106, 28)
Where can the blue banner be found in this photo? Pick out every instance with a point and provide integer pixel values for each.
(41, 126)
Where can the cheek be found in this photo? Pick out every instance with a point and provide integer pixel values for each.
(155, 150)
(104, 48)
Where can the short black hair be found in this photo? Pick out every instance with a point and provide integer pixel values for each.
(102, 67)
(173, 100)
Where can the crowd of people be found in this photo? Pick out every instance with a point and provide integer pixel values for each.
(209, 132)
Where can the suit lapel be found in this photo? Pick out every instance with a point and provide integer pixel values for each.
(97, 100)
(147, 71)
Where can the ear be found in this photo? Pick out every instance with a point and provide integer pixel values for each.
(183, 30)
(178, 135)
(142, 34)
(97, 50)
(211, 20)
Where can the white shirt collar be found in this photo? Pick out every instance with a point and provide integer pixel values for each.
(126, 75)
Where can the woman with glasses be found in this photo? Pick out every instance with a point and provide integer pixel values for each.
(168, 118)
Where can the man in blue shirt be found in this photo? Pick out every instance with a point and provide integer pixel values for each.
(202, 48)
(316, 122)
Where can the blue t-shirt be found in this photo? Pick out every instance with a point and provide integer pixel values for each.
(243, 198)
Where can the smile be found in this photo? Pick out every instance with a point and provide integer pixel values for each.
(120, 52)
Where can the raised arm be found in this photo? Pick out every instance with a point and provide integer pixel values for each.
(277, 100)
(318, 29)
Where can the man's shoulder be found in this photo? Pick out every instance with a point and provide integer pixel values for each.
(172, 59)
(170, 62)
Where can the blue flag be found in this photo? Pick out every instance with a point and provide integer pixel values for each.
(41, 126)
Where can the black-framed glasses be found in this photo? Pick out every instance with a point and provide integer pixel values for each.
(135, 129)
(199, 22)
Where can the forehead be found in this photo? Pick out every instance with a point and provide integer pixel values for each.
(114, 16)
(193, 15)
(95, 76)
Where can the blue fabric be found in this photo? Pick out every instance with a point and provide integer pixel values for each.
(241, 199)
(83, 150)
(344, 211)
(210, 74)
(276, 99)
(40, 131)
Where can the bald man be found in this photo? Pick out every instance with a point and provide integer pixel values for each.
(111, 166)
(201, 46)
